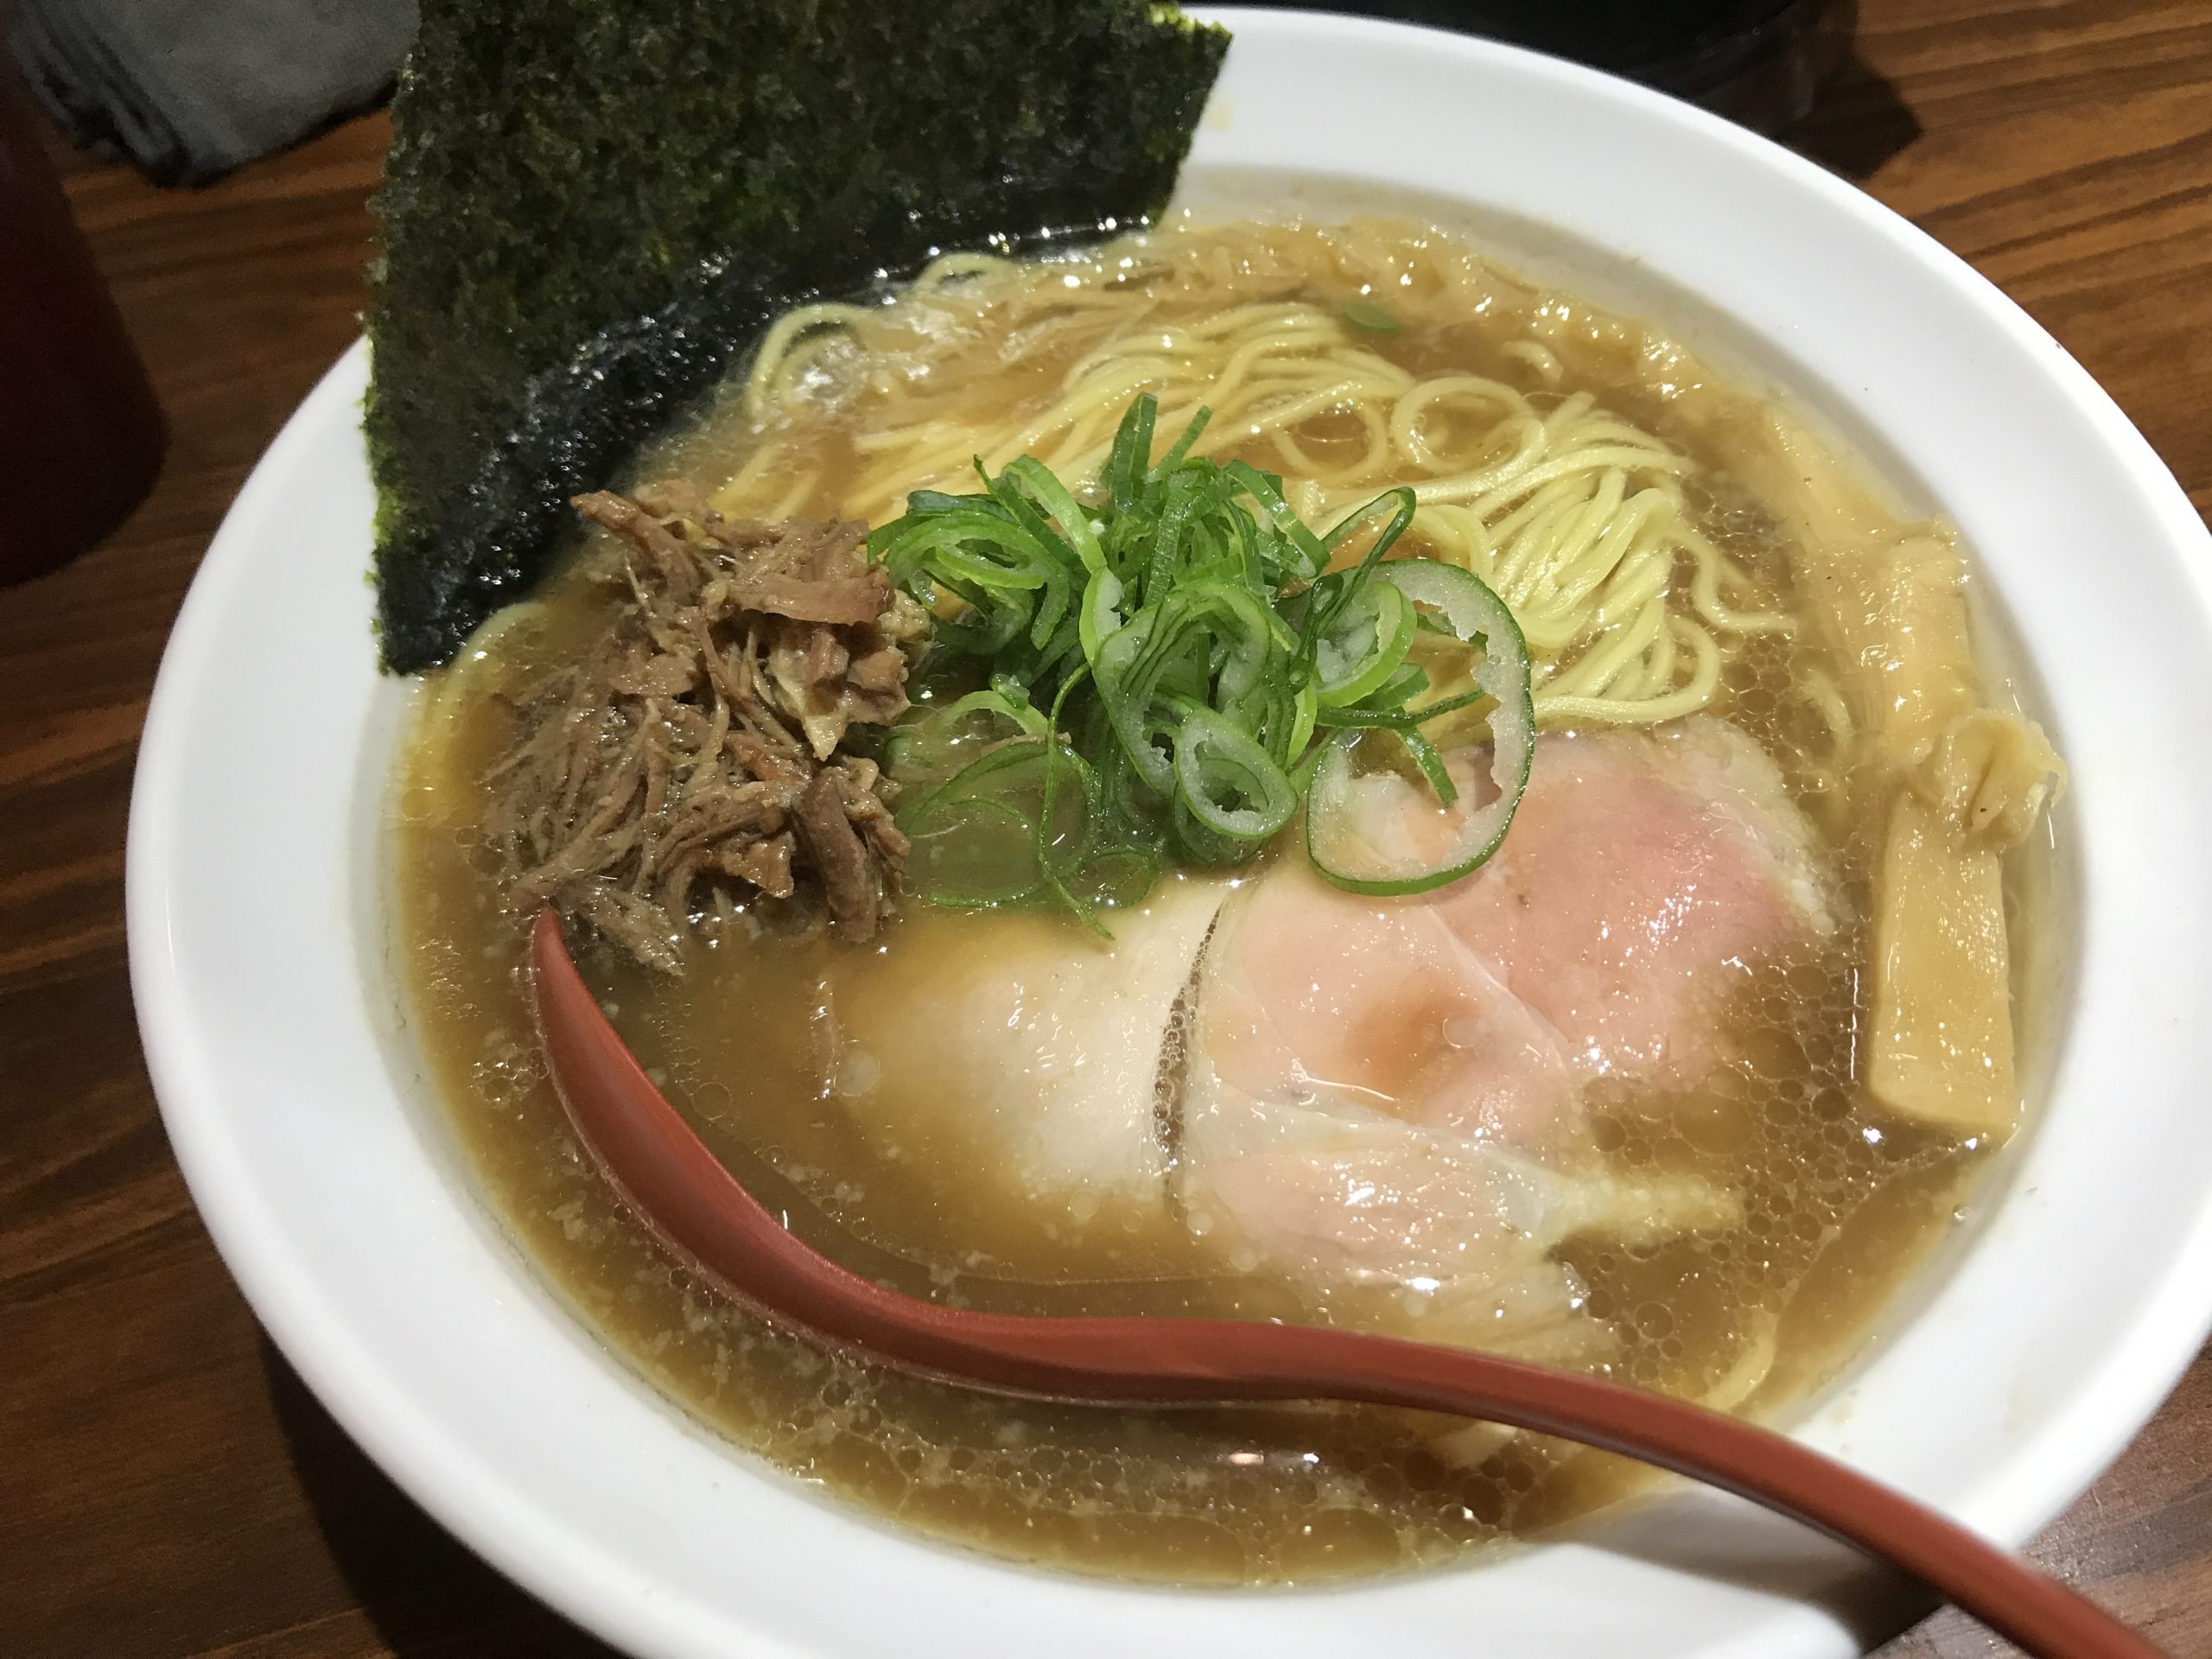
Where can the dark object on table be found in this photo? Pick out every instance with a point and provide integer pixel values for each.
(80, 435)
(189, 89)
(1756, 62)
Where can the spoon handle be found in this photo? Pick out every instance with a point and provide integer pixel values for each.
(676, 1185)
(2044, 1617)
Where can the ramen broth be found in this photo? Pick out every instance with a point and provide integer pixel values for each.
(1836, 1199)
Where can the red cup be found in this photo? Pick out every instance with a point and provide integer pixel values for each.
(81, 436)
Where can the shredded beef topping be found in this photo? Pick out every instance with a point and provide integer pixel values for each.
(693, 757)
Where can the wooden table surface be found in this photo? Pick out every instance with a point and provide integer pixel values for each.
(167, 1485)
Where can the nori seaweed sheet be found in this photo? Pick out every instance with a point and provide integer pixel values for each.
(591, 207)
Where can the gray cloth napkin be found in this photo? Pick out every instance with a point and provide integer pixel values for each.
(189, 89)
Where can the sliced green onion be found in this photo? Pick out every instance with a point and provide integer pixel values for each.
(1037, 480)
(993, 833)
(1365, 313)
(1333, 837)
(1364, 645)
(1115, 879)
(1226, 781)
(1311, 557)
(927, 751)
(1168, 462)
(1101, 614)
(1407, 681)
(1126, 673)
(1343, 588)
(1186, 631)
(1433, 772)
(1461, 598)
(1127, 464)
(1055, 852)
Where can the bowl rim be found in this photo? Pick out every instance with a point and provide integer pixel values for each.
(2008, 1501)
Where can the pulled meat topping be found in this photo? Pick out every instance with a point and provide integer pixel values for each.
(693, 755)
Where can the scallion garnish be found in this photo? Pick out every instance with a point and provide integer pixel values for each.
(1366, 314)
(1207, 661)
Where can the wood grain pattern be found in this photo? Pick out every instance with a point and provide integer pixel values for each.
(167, 1486)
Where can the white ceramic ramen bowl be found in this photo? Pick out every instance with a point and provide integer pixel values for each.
(2018, 1365)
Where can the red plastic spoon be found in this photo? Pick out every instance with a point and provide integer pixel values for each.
(671, 1179)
